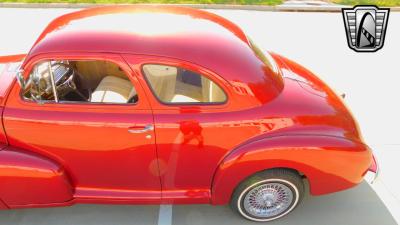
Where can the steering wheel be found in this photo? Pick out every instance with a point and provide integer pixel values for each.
(69, 83)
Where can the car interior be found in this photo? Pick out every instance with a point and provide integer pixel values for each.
(105, 82)
(176, 85)
(80, 81)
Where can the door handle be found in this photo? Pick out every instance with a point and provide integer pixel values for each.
(140, 130)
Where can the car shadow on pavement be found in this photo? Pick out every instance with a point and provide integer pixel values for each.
(359, 205)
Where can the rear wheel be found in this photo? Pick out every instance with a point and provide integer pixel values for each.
(268, 195)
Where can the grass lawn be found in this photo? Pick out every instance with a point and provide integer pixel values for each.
(235, 2)
(368, 2)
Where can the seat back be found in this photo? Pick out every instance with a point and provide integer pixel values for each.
(162, 80)
(113, 90)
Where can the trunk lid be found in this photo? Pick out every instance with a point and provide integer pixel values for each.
(310, 83)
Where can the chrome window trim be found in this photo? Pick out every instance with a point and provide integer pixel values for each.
(53, 84)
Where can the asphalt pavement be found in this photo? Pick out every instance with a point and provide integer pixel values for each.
(315, 40)
(359, 205)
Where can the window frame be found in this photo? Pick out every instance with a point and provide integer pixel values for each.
(111, 58)
(183, 103)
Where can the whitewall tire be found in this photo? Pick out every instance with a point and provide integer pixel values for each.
(268, 195)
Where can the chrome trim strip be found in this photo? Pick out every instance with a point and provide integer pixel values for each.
(53, 84)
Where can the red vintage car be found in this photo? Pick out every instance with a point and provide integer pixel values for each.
(168, 105)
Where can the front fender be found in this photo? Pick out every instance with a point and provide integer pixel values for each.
(28, 179)
(330, 163)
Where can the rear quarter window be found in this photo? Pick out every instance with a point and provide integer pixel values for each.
(174, 85)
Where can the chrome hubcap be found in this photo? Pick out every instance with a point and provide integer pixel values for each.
(268, 200)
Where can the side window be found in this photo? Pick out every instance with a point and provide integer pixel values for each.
(176, 85)
(80, 81)
(39, 85)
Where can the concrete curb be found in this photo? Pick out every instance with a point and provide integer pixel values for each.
(278, 8)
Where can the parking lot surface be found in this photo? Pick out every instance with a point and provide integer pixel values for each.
(359, 205)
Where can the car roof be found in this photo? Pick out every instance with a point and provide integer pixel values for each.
(182, 33)
(104, 28)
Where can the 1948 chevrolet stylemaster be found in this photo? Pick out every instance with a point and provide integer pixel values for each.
(168, 105)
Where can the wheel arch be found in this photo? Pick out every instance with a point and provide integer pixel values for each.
(301, 175)
(323, 160)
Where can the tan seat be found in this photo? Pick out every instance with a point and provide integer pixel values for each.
(216, 93)
(183, 98)
(113, 90)
(212, 92)
(162, 80)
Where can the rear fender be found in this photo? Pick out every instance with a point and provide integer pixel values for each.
(330, 163)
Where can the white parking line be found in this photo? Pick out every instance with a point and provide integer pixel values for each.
(165, 215)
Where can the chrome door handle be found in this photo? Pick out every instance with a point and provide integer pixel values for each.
(140, 130)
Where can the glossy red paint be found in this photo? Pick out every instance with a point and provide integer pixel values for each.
(199, 37)
(99, 156)
(197, 153)
(28, 178)
(3, 138)
(8, 66)
(12, 58)
(374, 165)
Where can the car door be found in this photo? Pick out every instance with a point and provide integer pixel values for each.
(108, 150)
(194, 130)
